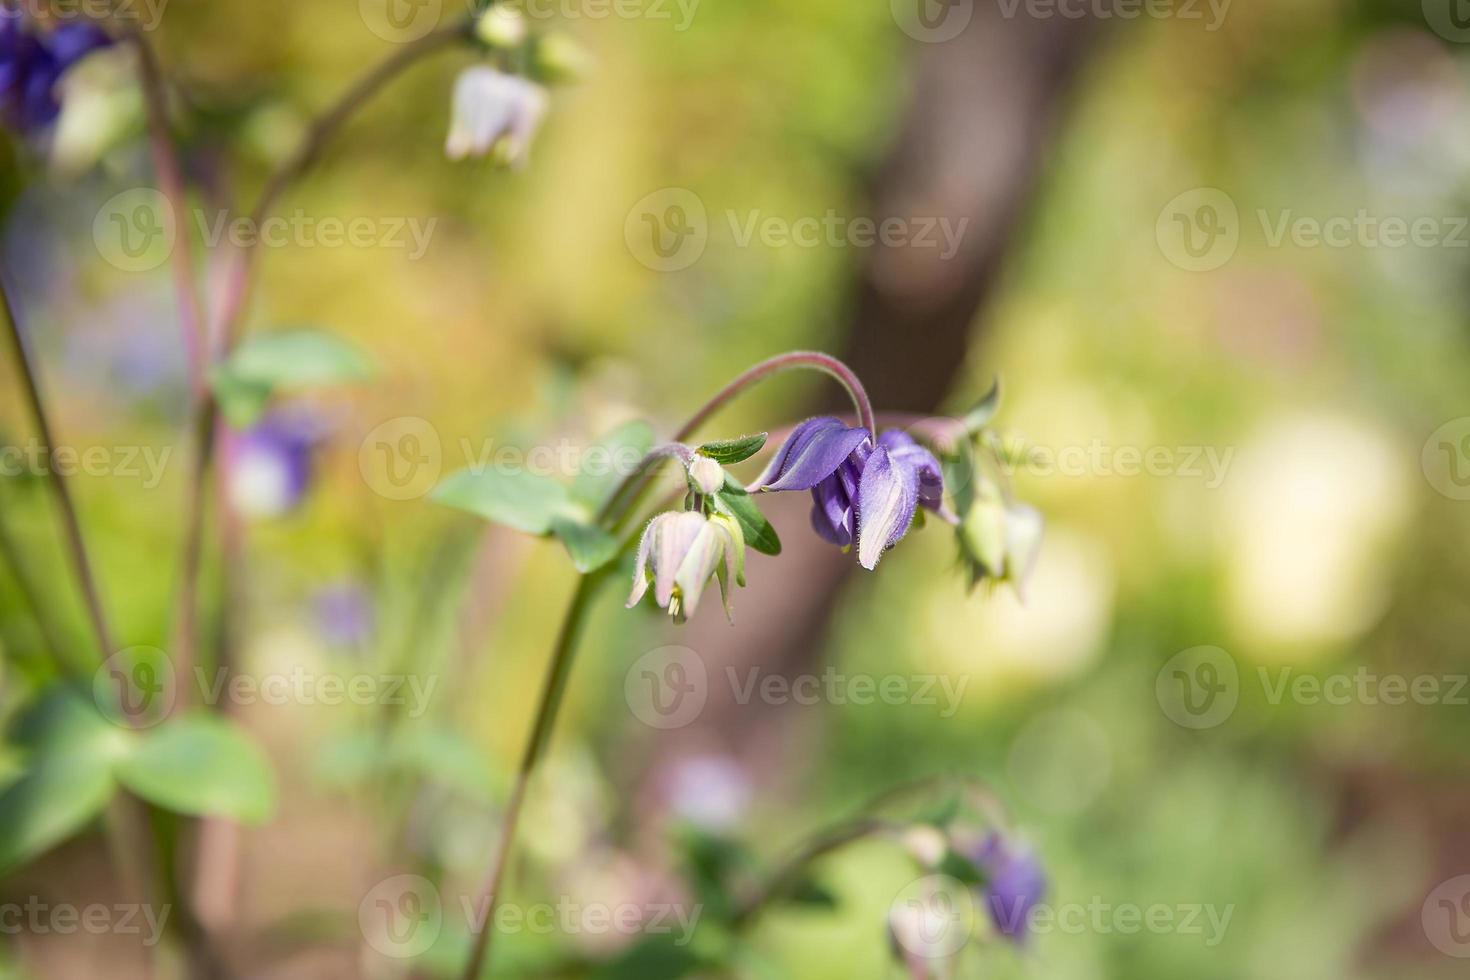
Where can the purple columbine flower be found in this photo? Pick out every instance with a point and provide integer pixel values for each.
(269, 466)
(32, 63)
(1014, 884)
(859, 491)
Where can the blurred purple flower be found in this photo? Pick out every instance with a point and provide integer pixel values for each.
(269, 465)
(710, 791)
(31, 63)
(1014, 884)
(859, 491)
(344, 614)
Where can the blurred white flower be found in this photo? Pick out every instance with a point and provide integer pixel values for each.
(494, 112)
(1308, 515)
(709, 791)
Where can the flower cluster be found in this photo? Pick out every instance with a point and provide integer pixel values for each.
(31, 66)
(861, 491)
(867, 492)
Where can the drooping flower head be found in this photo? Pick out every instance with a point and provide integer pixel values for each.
(494, 112)
(678, 554)
(32, 63)
(1014, 884)
(860, 492)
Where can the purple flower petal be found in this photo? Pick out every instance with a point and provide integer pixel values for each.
(1014, 884)
(904, 451)
(816, 448)
(887, 498)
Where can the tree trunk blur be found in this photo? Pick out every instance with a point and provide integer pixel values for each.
(971, 149)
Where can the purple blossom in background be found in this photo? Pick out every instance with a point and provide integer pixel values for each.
(344, 614)
(860, 492)
(710, 791)
(31, 64)
(269, 465)
(1014, 884)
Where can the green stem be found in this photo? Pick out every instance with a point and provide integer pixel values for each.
(560, 668)
(60, 491)
(552, 690)
(636, 482)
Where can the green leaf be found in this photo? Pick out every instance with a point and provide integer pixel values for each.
(608, 460)
(984, 410)
(58, 795)
(727, 451)
(67, 776)
(590, 547)
(200, 764)
(735, 502)
(518, 499)
(265, 363)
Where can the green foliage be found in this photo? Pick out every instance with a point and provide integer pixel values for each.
(201, 764)
(283, 360)
(727, 451)
(75, 760)
(734, 502)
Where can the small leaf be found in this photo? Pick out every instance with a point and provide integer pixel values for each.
(67, 775)
(297, 358)
(734, 501)
(58, 795)
(727, 451)
(590, 547)
(984, 410)
(518, 499)
(200, 764)
(609, 459)
(240, 401)
(265, 363)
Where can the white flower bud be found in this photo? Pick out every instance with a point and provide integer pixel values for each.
(706, 475)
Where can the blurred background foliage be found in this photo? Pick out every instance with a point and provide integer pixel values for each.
(1324, 548)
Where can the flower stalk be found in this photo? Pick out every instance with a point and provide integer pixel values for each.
(623, 500)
